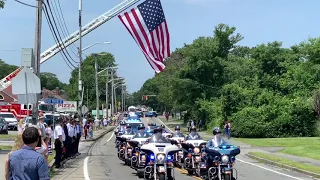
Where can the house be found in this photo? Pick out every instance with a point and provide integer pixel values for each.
(6, 96)
(46, 93)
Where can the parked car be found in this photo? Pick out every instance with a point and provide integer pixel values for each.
(10, 119)
(151, 114)
(3, 126)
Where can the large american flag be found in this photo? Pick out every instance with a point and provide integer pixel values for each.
(147, 25)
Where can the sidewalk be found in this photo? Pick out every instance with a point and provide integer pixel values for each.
(247, 149)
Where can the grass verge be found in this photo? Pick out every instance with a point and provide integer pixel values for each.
(284, 161)
(8, 136)
(5, 147)
(294, 146)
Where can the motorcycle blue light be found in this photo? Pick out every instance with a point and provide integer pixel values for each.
(190, 150)
(152, 157)
(231, 146)
(169, 157)
(224, 147)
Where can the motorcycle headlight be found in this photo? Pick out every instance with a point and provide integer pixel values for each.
(225, 159)
(161, 157)
(196, 150)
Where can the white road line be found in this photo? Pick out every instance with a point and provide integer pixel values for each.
(85, 163)
(252, 164)
(85, 169)
(110, 137)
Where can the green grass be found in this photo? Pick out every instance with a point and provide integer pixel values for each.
(5, 147)
(284, 161)
(305, 147)
(7, 136)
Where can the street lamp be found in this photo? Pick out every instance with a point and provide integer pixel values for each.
(106, 42)
(115, 87)
(80, 62)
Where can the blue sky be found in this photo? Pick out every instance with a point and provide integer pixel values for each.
(262, 21)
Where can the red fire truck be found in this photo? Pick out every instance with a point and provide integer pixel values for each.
(22, 110)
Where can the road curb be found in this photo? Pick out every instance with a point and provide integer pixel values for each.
(51, 164)
(273, 163)
(4, 151)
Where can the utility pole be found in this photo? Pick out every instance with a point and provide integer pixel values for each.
(112, 91)
(37, 51)
(97, 88)
(115, 100)
(107, 91)
(80, 59)
(122, 94)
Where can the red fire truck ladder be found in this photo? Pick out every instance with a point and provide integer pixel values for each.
(6, 82)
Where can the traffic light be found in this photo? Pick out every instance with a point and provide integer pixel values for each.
(144, 97)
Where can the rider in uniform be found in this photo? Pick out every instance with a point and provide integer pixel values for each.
(217, 138)
(141, 131)
(177, 132)
(163, 129)
(157, 136)
(128, 130)
(193, 134)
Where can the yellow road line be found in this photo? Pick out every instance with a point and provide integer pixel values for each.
(183, 171)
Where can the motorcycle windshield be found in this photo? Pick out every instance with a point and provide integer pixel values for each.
(141, 135)
(178, 134)
(217, 141)
(128, 133)
(193, 136)
(159, 139)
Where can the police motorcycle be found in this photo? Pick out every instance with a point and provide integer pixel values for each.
(177, 138)
(193, 156)
(124, 149)
(119, 131)
(138, 158)
(221, 158)
(159, 155)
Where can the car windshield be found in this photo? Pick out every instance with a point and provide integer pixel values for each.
(159, 139)
(7, 115)
(46, 107)
(2, 121)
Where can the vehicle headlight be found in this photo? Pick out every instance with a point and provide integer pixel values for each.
(161, 157)
(225, 159)
(196, 150)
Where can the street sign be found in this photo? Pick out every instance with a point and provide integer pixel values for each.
(53, 101)
(84, 109)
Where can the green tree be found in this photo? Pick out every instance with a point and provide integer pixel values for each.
(50, 81)
(88, 78)
(1, 4)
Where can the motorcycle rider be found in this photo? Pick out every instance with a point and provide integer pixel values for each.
(217, 138)
(193, 134)
(177, 132)
(128, 130)
(163, 128)
(157, 136)
(141, 131)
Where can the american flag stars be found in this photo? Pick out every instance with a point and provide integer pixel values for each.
(152, 13)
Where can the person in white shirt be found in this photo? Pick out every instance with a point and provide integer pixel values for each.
(59, 137)
(70, 141)
(105, 122)
(96, 124)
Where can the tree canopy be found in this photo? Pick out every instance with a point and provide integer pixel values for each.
(88, 79)
(1, 4)
(266, 91)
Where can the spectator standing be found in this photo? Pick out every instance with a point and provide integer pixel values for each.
(59, 138)
(18, 145)
(78, 132)
(26, 163)
(71, 134)
(21, 125)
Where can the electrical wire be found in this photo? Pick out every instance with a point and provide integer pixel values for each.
(56, 38)
(62, 24)
(25, 4)
(56, 28)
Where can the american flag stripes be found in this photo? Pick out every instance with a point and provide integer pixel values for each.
(147, 25)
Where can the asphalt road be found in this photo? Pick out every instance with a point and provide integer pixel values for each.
(99, 161)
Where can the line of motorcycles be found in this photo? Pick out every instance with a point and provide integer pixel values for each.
(157, 158)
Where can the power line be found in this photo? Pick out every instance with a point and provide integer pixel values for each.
(62, 24)
(56, 27)
(56, 38)
(26, 4)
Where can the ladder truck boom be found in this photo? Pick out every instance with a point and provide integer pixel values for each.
(6, 82)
